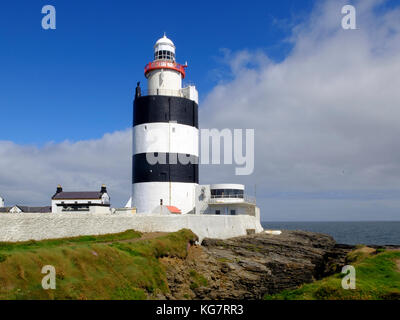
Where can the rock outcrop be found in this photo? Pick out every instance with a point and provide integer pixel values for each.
(251, 266)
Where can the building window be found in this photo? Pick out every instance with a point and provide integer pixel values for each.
(233, 212)
(227, 193)
(217, 211)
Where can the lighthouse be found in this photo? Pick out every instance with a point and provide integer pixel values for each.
(165, 136)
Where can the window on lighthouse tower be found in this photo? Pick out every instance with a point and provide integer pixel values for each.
(164, 55)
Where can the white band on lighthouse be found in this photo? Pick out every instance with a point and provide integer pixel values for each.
(165, 137)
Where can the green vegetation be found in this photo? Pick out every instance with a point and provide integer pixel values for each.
(197, 280)
(224, 260)
(32, 244)
(377, 278)
(115, 266)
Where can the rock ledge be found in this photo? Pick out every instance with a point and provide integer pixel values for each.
(251, 266)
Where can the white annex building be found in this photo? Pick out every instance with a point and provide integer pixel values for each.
(224, 199)
(82, 201)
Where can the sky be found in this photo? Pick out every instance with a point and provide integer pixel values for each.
(323, 101)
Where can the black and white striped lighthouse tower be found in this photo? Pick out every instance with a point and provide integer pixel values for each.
(165, 136)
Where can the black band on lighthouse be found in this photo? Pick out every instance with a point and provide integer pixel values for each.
(171, 171)
(148, 109)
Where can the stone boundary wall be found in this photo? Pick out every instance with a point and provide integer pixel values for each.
(39, 226)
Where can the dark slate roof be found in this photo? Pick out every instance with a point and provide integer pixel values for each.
(28, 209)
(35, 209)
(84, 195)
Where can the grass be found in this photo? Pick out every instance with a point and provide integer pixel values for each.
(224, 260)
(95, 267)
(377, 278)
(32, 244)
(197, 280)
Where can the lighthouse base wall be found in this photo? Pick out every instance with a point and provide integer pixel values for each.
(146, 196)
(30, 226)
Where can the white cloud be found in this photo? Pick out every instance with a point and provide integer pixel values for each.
(29, 175)
(328, 116)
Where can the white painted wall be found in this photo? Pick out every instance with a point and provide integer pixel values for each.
(202, 197)
(227, 200)
(165, 137)
(30, 226)
(163, 210)
(207, 205)
(191, 93)
(105, 198)
(15, 209)
(226, 209)
(146, 195)
(56, 209)
(227, 186)
(164, 79)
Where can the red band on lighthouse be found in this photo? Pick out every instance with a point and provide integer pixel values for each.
(165, 65)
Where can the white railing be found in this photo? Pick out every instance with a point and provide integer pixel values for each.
(162, 92)
(245, 198)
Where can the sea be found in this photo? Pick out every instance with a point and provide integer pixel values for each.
(347, 232)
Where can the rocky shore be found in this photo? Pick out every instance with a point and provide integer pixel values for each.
(251, 266)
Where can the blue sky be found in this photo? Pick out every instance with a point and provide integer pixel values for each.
(324, 102)
(76, 82)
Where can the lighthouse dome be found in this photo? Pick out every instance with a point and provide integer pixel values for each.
(165, 40)
(164, 49)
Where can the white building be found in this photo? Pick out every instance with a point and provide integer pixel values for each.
(80, 201)
(224, 199)
(22, 209)
(25, 209)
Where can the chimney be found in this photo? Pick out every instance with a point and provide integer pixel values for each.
(59, 189)
(103, 189)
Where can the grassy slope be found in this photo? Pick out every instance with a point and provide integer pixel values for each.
(377, 277)
(93, 267)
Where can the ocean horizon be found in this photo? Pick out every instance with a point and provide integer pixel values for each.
(346, 232)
